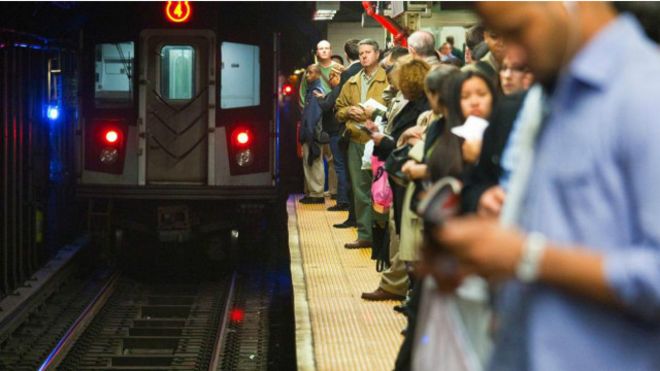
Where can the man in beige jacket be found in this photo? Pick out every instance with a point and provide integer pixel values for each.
(367, 84)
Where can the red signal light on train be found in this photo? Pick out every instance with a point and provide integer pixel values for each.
(287, 89)
(242, 137)
(111, 136)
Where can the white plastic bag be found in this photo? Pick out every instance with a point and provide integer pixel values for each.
(441, 339)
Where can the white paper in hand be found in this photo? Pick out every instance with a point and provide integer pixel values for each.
(472, 129)
(373, 104)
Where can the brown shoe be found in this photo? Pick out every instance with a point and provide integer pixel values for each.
(358, 244)
(381, 295)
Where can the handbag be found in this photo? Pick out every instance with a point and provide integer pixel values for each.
(381, 192)
(395, 162)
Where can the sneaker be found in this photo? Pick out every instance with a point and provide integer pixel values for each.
(339, 207)
(312, 200)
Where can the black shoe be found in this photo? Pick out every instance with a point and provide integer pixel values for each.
(339, 207)
(358, 244)
(312, 200)
(346, 224)
(403, 309)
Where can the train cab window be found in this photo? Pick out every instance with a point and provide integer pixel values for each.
(113, 74)
(177, 72)
(239, 76)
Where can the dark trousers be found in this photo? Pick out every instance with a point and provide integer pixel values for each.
(339, 158)
(343, 147)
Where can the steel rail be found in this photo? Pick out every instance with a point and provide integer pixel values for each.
(216, 357)
(76, 329)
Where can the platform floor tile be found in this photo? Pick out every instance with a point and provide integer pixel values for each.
(335, 328)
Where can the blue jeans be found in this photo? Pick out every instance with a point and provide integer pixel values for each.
(340, 169)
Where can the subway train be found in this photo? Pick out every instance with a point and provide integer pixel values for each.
(178, 128)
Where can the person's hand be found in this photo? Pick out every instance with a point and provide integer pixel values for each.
(369, 111)
(334, 79)
(481, 245)
(471, 149)
(412, 134)
(414, 170)
(338, 69)
(491, 201)
(318, 94)
(356, 113)
(371, 125)
(445, 269)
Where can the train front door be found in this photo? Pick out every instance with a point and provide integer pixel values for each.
(177, 113)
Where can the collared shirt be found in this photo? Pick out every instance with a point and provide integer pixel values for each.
(594, 183)
(366, 80)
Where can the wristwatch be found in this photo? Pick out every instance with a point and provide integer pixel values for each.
(527, 270)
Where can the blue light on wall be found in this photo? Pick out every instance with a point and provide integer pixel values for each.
(53, 113)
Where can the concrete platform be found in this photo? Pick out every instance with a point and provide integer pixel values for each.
(335, 328)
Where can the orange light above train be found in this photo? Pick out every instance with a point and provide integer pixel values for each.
(178, 11)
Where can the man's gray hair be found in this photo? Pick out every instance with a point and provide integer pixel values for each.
(423, 43)
(371, 42)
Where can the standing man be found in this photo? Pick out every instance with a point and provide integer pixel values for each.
(582, 270)
(421, 45)
(326, 65)
(335, 128)
(310, 131)
(368, 84)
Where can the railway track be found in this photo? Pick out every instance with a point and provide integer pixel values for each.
(133, 325)
(191, 315)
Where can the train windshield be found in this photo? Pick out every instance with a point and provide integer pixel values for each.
(114, 70)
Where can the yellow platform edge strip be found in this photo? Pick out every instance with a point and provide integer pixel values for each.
(304, 340)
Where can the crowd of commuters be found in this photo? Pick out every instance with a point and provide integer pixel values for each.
(550, 136)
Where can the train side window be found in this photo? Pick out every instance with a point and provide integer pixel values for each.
(240, 76)
(177, 72)
(114, 74)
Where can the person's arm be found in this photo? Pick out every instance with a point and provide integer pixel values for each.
(384, 148)
(628, 279)
(302, 92)
(327, 103)
(494, 252)
(342, 105)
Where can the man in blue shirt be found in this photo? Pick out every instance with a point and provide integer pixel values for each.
(581, 272)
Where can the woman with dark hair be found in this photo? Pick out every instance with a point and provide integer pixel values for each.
(430, 139)
(437, 89)
(473, 95)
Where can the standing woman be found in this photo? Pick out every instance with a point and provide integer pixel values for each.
(474, 95)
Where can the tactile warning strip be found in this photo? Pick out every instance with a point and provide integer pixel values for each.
(347, 333)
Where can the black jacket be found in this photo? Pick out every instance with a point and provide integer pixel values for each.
(407, 118)
(330, 123)
(488, 170)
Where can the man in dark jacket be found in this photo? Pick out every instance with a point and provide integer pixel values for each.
(309, 136)
(335, 128)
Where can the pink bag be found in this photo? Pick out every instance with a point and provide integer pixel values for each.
(381, 192)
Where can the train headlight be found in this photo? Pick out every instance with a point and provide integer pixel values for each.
(244, 158)
(109, 156)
